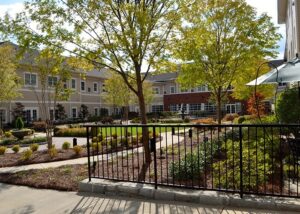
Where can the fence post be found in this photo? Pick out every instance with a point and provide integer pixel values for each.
(88, 151)
(155, 162)
(241, 161)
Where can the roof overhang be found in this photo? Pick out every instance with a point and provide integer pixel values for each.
(282, 10)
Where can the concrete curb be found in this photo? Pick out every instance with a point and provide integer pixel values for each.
(184, 195)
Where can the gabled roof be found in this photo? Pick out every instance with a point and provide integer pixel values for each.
(162, 77)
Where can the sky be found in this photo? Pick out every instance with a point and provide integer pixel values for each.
(262, 6)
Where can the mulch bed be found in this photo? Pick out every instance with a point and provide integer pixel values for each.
(64, 178)
(10, 159)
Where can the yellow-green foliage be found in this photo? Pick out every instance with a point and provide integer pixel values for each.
(77, 149)
(71, 132)
(52, 152)
(34, 147)
(8, 134)
(2, 150)
(66, 145)
(16, 148)
(27, 154)
(97, 146)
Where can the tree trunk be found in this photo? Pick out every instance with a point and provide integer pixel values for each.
(145, 132)
(126, 112)
(219, 103)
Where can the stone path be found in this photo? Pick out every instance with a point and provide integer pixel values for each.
(19, 199)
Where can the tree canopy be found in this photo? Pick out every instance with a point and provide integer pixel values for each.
(9, 80)
(219, 40)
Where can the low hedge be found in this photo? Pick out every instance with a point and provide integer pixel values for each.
(70, 132)
(24, 141)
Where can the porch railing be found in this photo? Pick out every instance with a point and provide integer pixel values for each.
(244, 159)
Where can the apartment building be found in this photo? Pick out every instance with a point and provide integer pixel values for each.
(168, 95)
(289, 14)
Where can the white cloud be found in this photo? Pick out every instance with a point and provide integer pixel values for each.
(11, 9)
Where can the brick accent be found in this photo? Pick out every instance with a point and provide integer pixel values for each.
(189, 98)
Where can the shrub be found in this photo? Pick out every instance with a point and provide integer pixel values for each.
(97, 146)
(8, 141)
(136, 120)
(114, 144)
(114, 136)
(77, 149)
(94, 139)
(33, 140)
(205, 121)
(52, 152)
(8, 134)
(99, 137)
(26, 155)
(186, 120)
(66, 145)
(239, 120)
(34, 147)
(39, 126)
(230, 117)
(16, 148)
(71, 132)
(255, 170)
(191, 165)
(186, 168)
(2, 150)
(107, 120)
(123, 141)
(255, 105)
(288, 106)
(19, 124)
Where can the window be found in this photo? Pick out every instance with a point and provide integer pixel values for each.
(73, 83)
(52, 81)
(74, 112)
(202, 88)
(103, 88)
(2, 115)
(174, 107)
(209, 107)
(95, 87)
(82, 85)
(157, 108)
(184, 90)
(96, 110)
(31, 115)
(195, 107)
(30, 79)
(172, 89)
(155, 90)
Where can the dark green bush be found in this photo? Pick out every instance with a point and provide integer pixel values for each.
(192, 165)
(19, 124)
(288, 106)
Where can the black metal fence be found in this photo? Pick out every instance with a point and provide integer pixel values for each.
(244, 159)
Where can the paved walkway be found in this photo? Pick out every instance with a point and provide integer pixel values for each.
(19, 199)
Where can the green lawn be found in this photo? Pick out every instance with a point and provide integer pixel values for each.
(133, 130)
